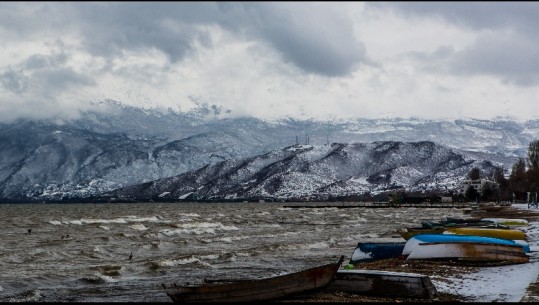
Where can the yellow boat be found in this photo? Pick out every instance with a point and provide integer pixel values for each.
(408, 233)
(498, 233)
(514, 222)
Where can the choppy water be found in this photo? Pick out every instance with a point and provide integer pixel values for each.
(174, 242)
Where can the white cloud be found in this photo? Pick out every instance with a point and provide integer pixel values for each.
(320, 59)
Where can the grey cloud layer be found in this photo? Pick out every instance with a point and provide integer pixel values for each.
(507, 45)
(307, 35)
(42, 75)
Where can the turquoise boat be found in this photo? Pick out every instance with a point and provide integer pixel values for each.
(413, 242)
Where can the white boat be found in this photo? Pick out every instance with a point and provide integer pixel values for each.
(412, 243)
(474, 252)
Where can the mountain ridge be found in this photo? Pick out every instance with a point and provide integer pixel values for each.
(108, 149)
(322, 172)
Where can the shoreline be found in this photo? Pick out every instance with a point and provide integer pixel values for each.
(456, 282)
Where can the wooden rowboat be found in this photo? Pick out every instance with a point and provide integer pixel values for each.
(472, 252)
(252, 290)
(383, 284)
(489, 232)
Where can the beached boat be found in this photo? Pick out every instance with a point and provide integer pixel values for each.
(457, 222)
(428, 227)
(470, 252)
(409, 232)
(251, 290)
(413, 242)
(513, 222)
(383, 284)
(489, 232)
(371, 251)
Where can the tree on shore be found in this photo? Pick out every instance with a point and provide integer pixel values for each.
(474, 174)
(517, 179)
(503, 184)
(532, 175)
(471, 193)
(533, 154)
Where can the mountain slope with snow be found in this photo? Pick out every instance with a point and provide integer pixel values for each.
(114, 145)
(318, 170)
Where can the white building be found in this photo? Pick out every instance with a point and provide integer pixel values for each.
(476, 184)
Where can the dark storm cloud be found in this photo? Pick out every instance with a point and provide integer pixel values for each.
(318, 42)
(307, 35)
(110, 28)
(506, 46)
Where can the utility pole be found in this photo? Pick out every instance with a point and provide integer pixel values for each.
(327, 134)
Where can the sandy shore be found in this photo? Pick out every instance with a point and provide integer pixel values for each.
(446, 276)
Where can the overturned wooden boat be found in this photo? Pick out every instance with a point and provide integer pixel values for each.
(413, 242)
(470, 252)
(251, 290)
(383, 284)
(371, 251)
(489, 232)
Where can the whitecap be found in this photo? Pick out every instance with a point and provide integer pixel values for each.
(100, 279)
(176, 262)
(139, 227)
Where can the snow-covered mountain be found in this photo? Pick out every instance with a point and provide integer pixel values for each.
(320, 171)
(116, 145)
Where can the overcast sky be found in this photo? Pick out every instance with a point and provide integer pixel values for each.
(326, 60)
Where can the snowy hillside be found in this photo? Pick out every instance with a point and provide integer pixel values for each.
(115, 145)
(321, 171)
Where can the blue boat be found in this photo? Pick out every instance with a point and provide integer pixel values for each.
(457, 238)
(367, 252)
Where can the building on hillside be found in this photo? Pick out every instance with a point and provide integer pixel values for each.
(477, 184)
(446, 199)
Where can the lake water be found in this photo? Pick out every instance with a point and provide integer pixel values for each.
(80, 252)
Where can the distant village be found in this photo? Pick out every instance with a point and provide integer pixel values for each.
(520, 185)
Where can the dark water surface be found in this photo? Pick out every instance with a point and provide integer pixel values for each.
(174, 242)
